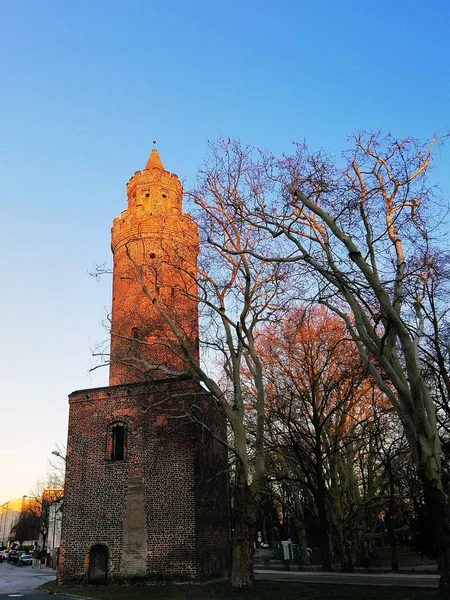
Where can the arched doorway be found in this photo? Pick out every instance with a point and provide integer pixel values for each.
(98, 564)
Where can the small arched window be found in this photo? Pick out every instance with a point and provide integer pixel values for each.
(117, 442)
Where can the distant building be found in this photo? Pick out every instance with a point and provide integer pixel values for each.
(54, 531)
(25, 521)
(9, 516)
(146, 489)
(47, 530)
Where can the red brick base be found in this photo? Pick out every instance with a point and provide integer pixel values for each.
(162, 511)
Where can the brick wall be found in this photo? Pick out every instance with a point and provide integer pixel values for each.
(211, 491)
(163, 510)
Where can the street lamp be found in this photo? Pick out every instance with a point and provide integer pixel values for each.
(59, 455)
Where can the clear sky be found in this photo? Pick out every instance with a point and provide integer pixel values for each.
(85, 87)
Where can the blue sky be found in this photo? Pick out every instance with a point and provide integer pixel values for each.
(87, 85)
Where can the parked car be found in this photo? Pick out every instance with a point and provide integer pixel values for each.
(13, 556)
(24, 559)
(5, 554)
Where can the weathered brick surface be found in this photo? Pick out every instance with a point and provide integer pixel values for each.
(165, 503)
(163, 509)
(135, 536)
(211, 492)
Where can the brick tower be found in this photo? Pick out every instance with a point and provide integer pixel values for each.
(146, 490)
(155, 244)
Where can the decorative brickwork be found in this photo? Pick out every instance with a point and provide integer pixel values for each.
(155, 244)
(146, 475)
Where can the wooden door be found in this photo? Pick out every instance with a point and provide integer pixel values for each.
(98, 564)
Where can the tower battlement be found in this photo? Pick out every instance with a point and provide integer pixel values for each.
(152, 237)
(154, 177)
(153, 174)
(154, 188)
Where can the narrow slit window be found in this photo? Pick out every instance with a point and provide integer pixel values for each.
(117, 443)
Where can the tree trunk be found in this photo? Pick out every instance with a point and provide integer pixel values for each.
(392, 542)
(245, 511)
(389, 520)
(321, 500)
(343, 549)
(323, 526)
(361, 553)
(337, 518)
(299, 526)
(438, 513)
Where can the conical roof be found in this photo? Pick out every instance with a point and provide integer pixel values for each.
(154, 162)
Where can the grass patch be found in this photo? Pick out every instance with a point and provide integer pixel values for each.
(263, 590)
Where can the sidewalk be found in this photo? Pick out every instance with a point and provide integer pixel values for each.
(278, 565)
(376, 579)
(43, 569)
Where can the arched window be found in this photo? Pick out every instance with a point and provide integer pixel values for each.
(117, 442)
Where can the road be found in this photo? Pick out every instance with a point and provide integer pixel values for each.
(383, 579)
(21, 582)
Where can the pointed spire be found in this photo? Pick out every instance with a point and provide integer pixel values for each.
(154, 162)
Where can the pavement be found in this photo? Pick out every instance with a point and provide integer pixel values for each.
(415, 571)
(376, 579)
(14, 580)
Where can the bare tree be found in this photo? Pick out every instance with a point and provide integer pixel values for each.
(431, 292)
(357, 232)
(33, 522)
(236, 293)
(321, 400)
(28, 525)
(43, 494)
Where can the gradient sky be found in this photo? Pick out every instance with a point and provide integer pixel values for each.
(87, 85)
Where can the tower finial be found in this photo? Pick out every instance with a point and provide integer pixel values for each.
(154, 162)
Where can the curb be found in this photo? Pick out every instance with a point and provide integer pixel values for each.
(66, 595)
